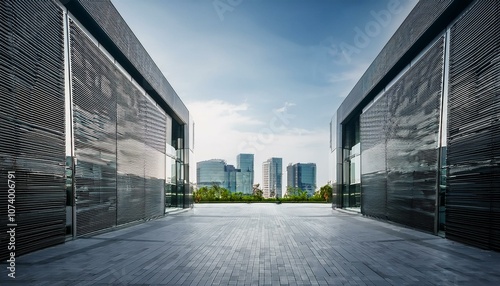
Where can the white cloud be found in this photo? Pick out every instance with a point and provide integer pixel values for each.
(219, 127)
(222, 127)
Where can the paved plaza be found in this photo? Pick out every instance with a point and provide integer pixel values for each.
(259, 244)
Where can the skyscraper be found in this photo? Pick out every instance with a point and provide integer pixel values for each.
(230, 175)
(290, 177)
(302, 176)
(272, 178)
(235, 179)
(244, 173)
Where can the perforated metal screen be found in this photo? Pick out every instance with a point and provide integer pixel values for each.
(473, 197)
(120, 134)
(399, 145)
(94, 87)
(128, 44)
(120, 138)
(32, 123)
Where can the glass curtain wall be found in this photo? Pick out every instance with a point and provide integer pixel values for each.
(351, 187)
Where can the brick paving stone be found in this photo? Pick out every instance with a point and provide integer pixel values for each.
(259, 244)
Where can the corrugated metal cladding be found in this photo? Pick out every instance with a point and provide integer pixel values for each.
(473, 197)
(399, 135)
(121, 35)
(32, 123)
(141, 155)
(154, 167)
(415, 25)
(373, 137)
(94, 120)
(130, 138)
(120, 138)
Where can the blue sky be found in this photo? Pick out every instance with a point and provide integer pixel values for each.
(264, 76)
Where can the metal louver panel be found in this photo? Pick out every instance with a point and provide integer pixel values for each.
(94, 117)
(401, 129)
(373, 135)
(124, 41)
(424, 23)
(32, 123)
(130, 152)
(120, 138)
(473, 196)
(412, 133)
(154, 167)
(141, 155)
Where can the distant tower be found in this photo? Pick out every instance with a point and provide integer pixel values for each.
(211, 172)
(272, 178)
(290, 177)
(244, 173)
(302, 176)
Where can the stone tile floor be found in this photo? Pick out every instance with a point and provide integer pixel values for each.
(259, 244)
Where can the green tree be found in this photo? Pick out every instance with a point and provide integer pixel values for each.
(200, 194)
(237, 197)
(295, 194)
(324, 193)
(225, 194)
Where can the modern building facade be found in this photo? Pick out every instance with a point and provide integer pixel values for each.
(417, 140)
(272, 173)
(245, 173)
(92, 136)
(231, 178)
(302, 176)
(211, 172)
(291, 174)
(218, 172)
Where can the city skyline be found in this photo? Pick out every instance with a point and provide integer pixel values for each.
(238, 166)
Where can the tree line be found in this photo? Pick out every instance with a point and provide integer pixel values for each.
(217, 193)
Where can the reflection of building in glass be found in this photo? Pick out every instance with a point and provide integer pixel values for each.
(217, 172)
(272, 178)
(302, 176)
(416, 140)
(113, 140)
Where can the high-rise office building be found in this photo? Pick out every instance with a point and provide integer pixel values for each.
(302, 176)
(235, 179)
(290, 177)
(245, 173)
(231, 173)
(272, 178)
(211, 172)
